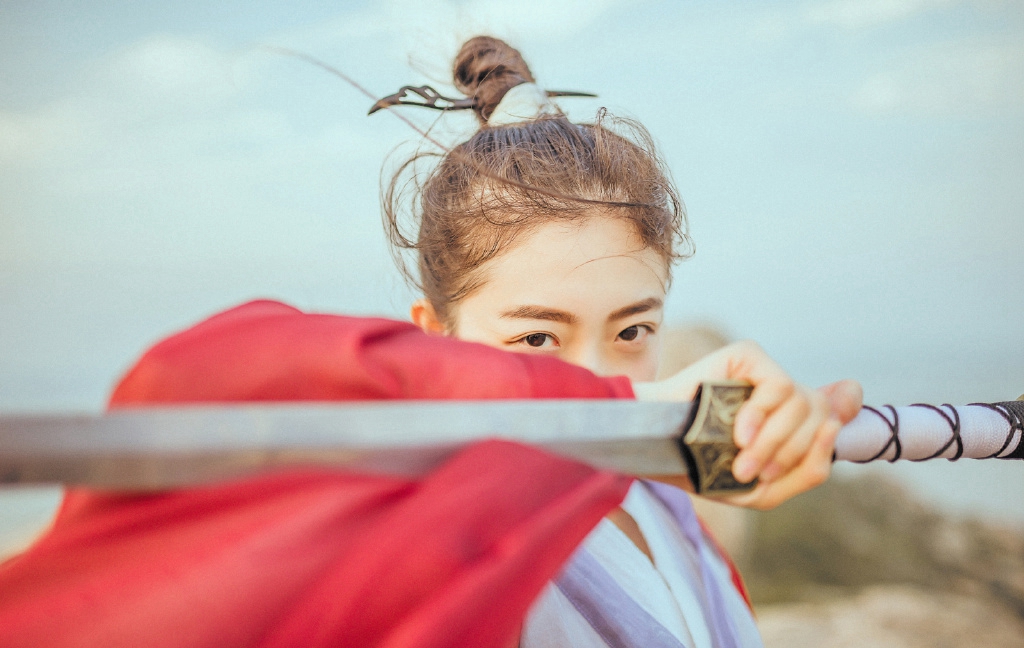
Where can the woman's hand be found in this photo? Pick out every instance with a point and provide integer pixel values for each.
(786, 432)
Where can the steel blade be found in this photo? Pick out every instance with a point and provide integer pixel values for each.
(170, 447)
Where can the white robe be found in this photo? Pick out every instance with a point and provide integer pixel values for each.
(670, 589)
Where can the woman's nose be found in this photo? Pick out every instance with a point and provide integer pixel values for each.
(590, 357)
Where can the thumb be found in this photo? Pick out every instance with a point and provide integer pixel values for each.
(845, 398)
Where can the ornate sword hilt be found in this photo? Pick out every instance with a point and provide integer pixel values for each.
(707, 445)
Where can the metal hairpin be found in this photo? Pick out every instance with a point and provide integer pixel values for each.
(430, 98)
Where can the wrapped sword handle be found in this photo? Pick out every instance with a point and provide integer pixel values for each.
(916, 432)
(921, 432)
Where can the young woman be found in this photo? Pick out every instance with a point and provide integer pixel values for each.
(543, 236)
(536, 235)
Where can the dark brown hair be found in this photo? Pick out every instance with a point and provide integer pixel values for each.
(486, 192)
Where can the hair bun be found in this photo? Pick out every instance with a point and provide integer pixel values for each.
(486, 68)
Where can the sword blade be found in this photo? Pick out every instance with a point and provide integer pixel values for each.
(170, 447)
(163, 448)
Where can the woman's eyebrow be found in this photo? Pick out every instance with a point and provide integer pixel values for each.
(648, 304)
(540, 313)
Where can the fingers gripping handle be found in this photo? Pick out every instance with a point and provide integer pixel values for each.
(921, 432)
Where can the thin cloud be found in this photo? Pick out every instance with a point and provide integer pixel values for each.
(172, 149)
(160, 78)
(860, 14)
(948, 79)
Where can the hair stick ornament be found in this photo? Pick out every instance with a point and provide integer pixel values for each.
(521, 103)
(431, 99)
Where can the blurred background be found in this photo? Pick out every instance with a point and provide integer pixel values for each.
(852, 172)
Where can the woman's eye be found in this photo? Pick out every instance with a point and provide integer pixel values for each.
(630, 334)
(536, 340)
(545, 342)
(635, 332)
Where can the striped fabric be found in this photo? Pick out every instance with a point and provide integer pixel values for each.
(612, 595)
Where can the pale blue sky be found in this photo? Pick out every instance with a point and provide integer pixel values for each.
(852, 171)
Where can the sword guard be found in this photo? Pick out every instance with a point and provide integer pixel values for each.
(707, 444)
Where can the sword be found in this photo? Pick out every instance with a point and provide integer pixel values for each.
(159, 448)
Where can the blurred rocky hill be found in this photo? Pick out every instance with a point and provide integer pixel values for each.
(892, 616)
(861, 562)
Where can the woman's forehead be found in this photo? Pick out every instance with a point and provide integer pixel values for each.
(571, 245)
(593, 265)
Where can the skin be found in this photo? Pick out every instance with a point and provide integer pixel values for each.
(591, 294)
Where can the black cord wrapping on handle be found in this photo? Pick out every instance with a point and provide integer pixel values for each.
(954, 426)
(894, 434)
(1013, 412)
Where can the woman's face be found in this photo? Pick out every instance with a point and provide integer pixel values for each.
(589, 293)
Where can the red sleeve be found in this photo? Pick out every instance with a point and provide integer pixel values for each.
(268, 351)
(317, 558)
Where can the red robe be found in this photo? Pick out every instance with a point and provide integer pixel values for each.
(315, 557)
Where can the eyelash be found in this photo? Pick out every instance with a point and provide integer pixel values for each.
(646, 327)
(523, 340)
